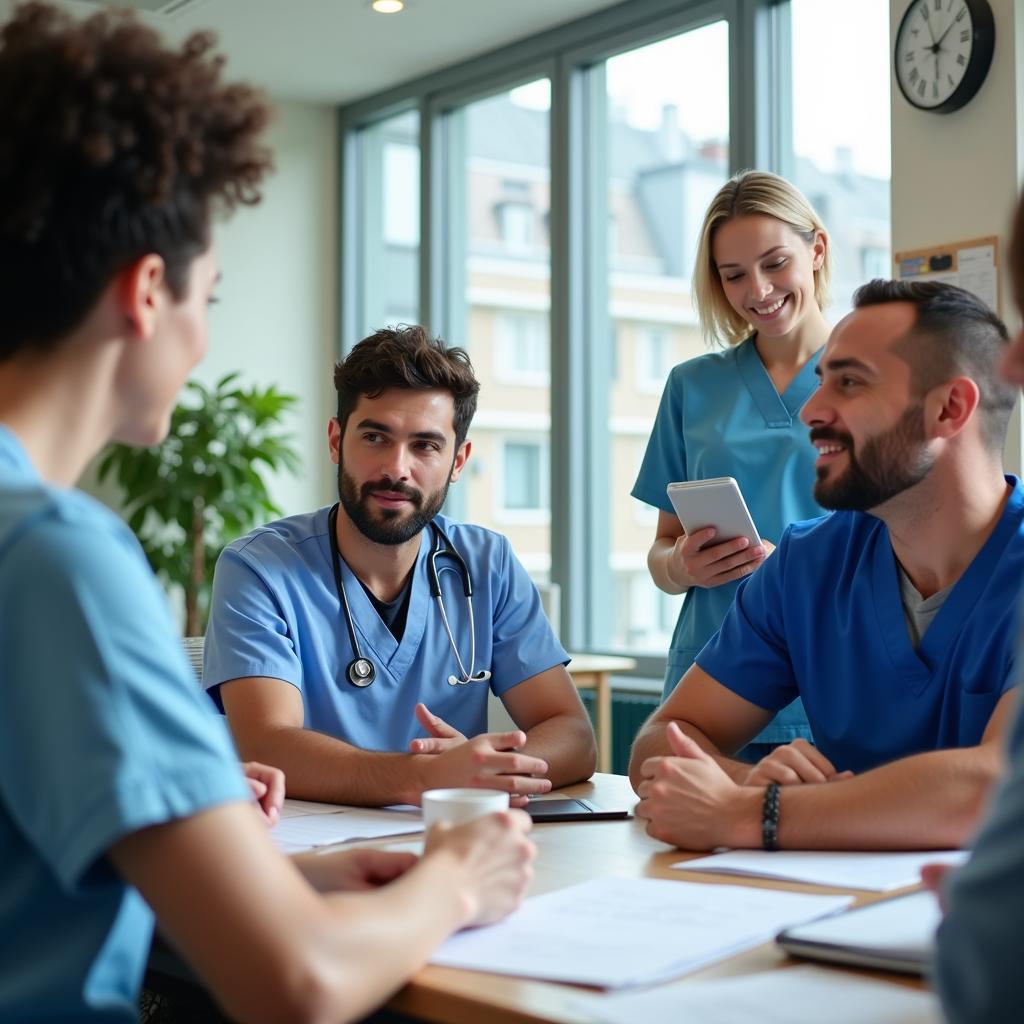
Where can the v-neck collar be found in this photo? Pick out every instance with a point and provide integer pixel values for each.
(377, 641)
(918, 667)
(778, 411)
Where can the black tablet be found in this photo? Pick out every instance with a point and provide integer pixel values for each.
(565, 809)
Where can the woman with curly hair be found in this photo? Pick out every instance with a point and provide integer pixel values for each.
(120, 795)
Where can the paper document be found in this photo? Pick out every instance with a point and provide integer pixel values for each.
(896, 934)
(879, 872)
(801, 995)
(304, 831)
(614, 932)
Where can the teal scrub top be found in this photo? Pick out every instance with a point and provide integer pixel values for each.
(720, 415)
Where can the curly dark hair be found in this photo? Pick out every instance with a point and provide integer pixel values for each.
(407, 356)
(112, 146)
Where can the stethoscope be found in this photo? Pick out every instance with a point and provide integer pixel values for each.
(360, 670)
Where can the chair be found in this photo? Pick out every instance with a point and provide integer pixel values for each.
(194, 652)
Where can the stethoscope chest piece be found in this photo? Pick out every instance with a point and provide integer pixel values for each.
(361, 672)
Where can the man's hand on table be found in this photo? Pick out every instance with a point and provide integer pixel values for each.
(487, 761)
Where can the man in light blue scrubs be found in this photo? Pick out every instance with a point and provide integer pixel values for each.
(328, 647)
(892, 618)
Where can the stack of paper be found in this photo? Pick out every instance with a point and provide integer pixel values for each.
(305, 825)
(880, 872)
(614, 932)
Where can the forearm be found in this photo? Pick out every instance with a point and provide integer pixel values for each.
(320, 767)
(566, 743)
(652, 741)
(658, 565)
(929, 801)
(369, 957)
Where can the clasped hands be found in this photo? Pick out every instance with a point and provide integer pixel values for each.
(690, 801)
(488, 761)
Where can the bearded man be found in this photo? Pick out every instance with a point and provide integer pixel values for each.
(355, 646)
(892, 618)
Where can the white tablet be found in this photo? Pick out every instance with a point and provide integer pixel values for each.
(716, 502)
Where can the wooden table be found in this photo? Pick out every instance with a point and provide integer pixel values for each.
(594, 672)
(569, 853)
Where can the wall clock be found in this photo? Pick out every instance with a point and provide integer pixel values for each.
(943, 52)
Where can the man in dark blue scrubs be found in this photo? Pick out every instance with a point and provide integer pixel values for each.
(892, 618)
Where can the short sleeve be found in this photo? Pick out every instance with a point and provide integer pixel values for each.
(247, 634)
(749, 653)
(523, 643)
(665, 458)
(103, 728)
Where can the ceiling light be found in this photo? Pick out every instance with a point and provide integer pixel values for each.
(387, 6)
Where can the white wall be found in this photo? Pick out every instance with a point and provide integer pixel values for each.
(275, 318)
(956, 176)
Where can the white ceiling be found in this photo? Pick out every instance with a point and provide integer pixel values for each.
(335, 51)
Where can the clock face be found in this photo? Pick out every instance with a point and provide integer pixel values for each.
(943, 52)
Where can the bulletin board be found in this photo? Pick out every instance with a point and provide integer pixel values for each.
(973, 265)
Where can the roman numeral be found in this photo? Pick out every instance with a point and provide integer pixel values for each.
(914, 75)
(921, 87)
(961, 59)
(965, 35)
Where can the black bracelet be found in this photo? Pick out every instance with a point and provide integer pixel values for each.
(770, 817)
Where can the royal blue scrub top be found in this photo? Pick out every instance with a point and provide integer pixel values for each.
(276, 613)
(720, 415)
(823, 619)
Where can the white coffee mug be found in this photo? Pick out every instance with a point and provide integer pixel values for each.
(454, 806)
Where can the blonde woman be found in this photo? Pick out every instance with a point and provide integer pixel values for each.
(760, 285)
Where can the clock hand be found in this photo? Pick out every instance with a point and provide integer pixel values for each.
(933, 47)
(938, 42)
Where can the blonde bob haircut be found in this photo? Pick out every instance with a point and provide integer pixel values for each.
(746, 193)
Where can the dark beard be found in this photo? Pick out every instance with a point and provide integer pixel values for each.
(390, 526)
(889, 464)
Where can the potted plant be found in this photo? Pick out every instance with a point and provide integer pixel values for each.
(204, 485)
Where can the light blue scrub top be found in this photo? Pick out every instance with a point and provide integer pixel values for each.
(103, 731)
(720, 415)
(276, 613)
(823, 618)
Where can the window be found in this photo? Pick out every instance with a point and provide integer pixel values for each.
(499, 302)
(521, 347)
(387, 233)
(568, 282)
(875, 262)
(524, 476)
(666, 156)
(516, 222)
(402, 194)
(653, 357)
(840, 147)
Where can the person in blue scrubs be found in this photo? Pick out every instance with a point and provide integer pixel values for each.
(120, 792)
(327, 648)
(892, 617)
(977, 962)
(761, 282)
